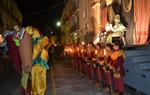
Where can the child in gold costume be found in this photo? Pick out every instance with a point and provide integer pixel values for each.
(39, 61)
(40, 58)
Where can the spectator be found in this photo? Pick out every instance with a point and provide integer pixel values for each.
(51, 54)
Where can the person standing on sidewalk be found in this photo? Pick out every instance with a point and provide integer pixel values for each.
(51, 54)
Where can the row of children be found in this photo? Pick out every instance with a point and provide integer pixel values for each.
(105, 64)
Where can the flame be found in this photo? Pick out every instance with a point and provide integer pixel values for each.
(71, 50)
(104, 52)
(96, 51)
(82, 51)
(83, 43)
(77, 49)
(1, 38)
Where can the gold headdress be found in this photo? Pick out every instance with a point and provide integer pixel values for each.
(117, 18)
(32, 31)
(36, 33)
(29, 30)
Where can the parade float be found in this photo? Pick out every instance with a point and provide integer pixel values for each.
(127, 21)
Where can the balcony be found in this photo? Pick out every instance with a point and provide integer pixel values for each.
(75, 6)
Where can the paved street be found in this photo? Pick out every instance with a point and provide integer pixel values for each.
(61, 80)
(10, 83)
(68, 82)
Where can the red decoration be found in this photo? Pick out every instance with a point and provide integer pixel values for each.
(142, 20)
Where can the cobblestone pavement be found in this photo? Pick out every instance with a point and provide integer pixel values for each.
(61, 80)
(68, 82)
(10, 83)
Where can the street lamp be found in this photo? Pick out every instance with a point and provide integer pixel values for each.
(58, 24)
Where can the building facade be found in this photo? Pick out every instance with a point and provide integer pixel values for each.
(81, 20)
(85, 20)
(10, 15)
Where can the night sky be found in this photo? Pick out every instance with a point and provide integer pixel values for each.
(32, 15)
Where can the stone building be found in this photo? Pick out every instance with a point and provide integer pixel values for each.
(80, 20)
(10, 15)
(84, 20)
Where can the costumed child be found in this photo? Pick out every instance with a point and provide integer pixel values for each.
(40, 58)
(100, 63)
(84, 52)
(117, 64)
(76, 57)
(94, 64)
(81, 58)
(73, 56)
(107, 71)
(39, 62)
(23, 40)
(26, 52)
(66, 53)
(90, 54)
